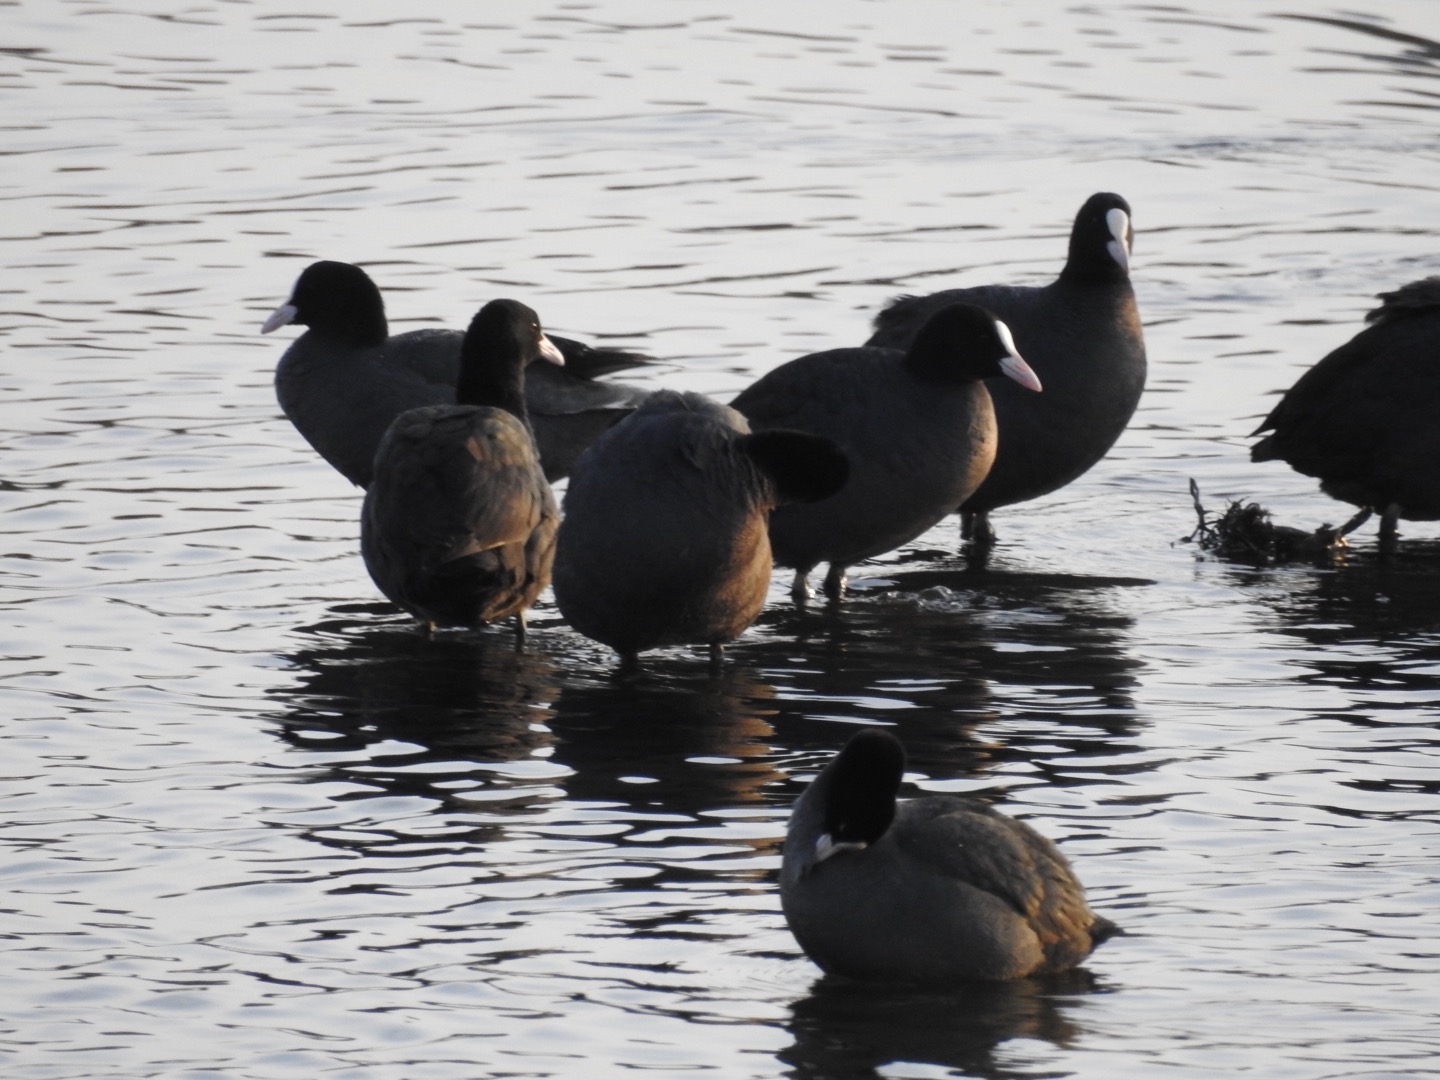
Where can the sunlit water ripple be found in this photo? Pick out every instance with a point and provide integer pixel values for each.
(257, 826)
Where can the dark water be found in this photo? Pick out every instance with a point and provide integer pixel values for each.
(255, 826)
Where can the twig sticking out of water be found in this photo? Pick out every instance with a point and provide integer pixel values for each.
(1244, 532)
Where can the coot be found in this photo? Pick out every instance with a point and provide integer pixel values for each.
(345, 379)
(458, 525)
(938, 889)
(1081, 334)
(664, 539)
(1363, 420)
(917, 426)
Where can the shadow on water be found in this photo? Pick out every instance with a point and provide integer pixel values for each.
(932, 651)
(936, 652)
(1389, 599)
(977, 670)
(850, 1029)
(455, 723)
(1370, 626)
(455, 696)
(422, 714)
(694, 739)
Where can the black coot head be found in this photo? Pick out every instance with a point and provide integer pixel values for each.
(861, 788)
(1102, 238)
(334, 298)
(962, 342)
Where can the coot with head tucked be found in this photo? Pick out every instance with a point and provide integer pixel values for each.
(1363, 419)
(458, 525)
(664, 539)
(938, 889)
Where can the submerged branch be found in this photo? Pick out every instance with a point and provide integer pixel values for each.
(1245, 533)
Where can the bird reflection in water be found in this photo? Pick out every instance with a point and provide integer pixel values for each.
(927, 648)
(464, 719)
(438, 718)
(1372, 627)
(680, 737)
(843, 1028)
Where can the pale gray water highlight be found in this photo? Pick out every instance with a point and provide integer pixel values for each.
(256, 827)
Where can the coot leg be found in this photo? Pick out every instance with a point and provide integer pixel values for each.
(800, 591)
(1354, 523)
(975, 526)
(835, 581)
(629, 669)
(1389, 531)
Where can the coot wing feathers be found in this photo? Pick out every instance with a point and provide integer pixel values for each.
(805, 392)
(456, 509)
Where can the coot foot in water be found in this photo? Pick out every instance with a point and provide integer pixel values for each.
(1081, 333)
(975, 526)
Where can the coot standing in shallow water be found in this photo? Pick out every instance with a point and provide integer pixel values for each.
(458, 525)
(1081, 334)
(1364, 419)
(345, 379)
(917, 426)
(938, 889)
(664, 539)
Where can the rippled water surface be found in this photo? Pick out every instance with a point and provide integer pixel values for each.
(256, 826)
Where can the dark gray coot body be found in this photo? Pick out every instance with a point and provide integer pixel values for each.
(458, 525)
(664, 539)
(917, 426)
(345, 379)
(936, 890)
(1081, 334)
(1363, 420)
